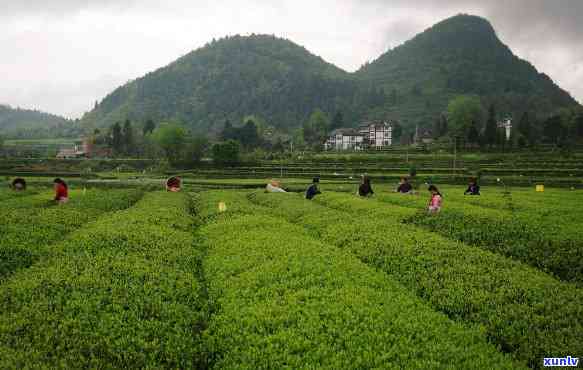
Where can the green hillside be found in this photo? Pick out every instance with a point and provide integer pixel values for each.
(283, 83)
(229, 79)
(461, 55)
(31, 124)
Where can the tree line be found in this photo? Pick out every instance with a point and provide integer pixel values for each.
(471, 124)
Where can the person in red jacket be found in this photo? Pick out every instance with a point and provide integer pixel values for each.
(61, 191)
(173, 184)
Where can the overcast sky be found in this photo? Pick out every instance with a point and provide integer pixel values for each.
(61, 56)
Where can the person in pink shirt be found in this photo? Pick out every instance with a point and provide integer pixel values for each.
(435, 201)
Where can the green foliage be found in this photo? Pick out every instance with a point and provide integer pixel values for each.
(128, 138)
(316, 128)
(226, 153)
(461, 55)
(491, 131)
(520, 237)
(286, 300)
(149, 127)
(171, 138)
(465, 115)
(337, 121)
(30, 224)
(232, 78)
(122, 292)
(117, 138)
(525, 312)
(196, 149)
(28, 124)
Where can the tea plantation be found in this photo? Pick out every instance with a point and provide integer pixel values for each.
(132, 278)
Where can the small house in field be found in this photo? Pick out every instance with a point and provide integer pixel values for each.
(369, 135)
(344, 139)
(71, 153)
(377, 135)
(506, 125)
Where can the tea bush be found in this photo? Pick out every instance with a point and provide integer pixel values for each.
(523, 311)
(284, 300)
(121, 292)
(27, 231)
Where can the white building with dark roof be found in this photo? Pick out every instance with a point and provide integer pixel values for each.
(377, 135)
(344, 139)
(369, 135)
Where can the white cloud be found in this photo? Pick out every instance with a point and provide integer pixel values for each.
(61, 56)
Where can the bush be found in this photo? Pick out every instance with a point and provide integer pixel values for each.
(285, 300)
(122, 292)
(525, 312)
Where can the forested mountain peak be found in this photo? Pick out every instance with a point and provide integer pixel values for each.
(283, 83)
(229, 79)
(460, 55)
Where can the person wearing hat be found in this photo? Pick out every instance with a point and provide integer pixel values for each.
(365, 188)
(313, 189)
(19, 184)
(274, 186)
(61, 191)
(173, 184)
(473, 187)
(405, 186)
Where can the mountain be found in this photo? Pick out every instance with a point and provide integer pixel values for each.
(230, 79)
(460, 55)
(283, 83)
(24, 123)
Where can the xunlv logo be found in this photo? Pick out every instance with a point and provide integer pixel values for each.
(561, 361)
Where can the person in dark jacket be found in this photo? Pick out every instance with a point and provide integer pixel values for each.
(19, 184)
(313, 189)
(473, 188)
(405, 186)
(365, 188)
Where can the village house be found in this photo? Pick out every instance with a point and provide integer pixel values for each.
(344, 139)
(71, 153)
(506, 125)
(369, 135)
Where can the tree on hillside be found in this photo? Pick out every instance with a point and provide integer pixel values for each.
(474, 134)
(337, 121)
(436, 130)
(524, 130)
(394, 97)
(117, 138)
(149, 127)
(128, 138)
(491, 132)
(578, 124)
(397, 132)
(316, 128)
(249, 135)
(553, 129)
(465, 115)
(171, 139)
(226, 153)
(228, 131)
(196, 148)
